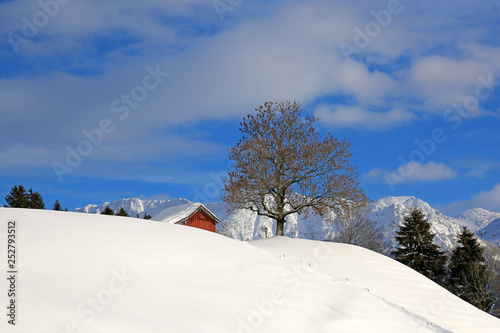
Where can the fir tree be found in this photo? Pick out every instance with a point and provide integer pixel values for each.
(108, 211)
(417, 249)
(469, 276)
(18, 197)
(57, 206)
(36, 200)
(122, 212)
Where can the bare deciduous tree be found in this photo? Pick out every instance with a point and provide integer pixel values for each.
(358, 229)
(492, 257)
(282, 166)
(477, 276)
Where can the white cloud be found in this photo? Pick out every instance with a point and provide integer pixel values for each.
(412, 172)
(375, 175)
(489, 200)
(223, 69)
(355, 116)
(292, 53)
(446, 81)
(480, 168)
(430, 171)
(356, 79)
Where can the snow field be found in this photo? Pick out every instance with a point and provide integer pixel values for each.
(93, 273)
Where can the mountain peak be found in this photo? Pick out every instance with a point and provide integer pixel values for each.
(407, 201)
(134, 206)
(477, 218)
(476, 212)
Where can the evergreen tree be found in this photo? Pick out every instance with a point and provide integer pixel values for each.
(18, 197)
(417, 249)
(469, 276)
(57, 206)
(108, 211)
(36, 200)
(122, 212)
(147, 216)
(65, 209)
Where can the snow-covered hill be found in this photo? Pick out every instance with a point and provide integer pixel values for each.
(95, 273)
(387, 212)
(134, 206)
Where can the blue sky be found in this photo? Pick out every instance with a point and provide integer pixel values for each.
(103, 100)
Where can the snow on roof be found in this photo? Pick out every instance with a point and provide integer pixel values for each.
(179, 213)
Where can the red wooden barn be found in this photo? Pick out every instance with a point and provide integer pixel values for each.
(191, 214)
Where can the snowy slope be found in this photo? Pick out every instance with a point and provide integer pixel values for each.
(94, 273)
(134, 206)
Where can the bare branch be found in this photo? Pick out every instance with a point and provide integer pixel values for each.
(282, 166)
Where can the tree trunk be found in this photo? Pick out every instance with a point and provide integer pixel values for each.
(280, 227)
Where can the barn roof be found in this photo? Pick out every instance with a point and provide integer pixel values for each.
(179, 214)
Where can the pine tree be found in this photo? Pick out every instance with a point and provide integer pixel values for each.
(57, 206)
(469, 275)
(147, 216)
(108, 211)
(36, 200)
(18, 197)
(122, 212)
(417, 249)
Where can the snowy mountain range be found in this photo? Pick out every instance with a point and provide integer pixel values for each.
(387, 212)
(134, 206)
(484, 223)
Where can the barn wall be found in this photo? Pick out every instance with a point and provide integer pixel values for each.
(202, 221)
